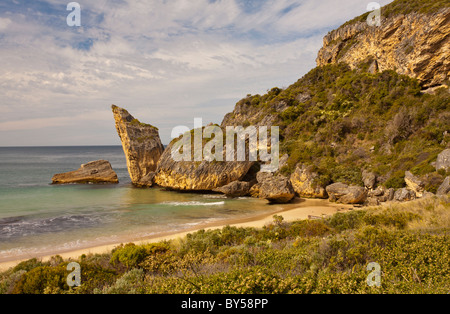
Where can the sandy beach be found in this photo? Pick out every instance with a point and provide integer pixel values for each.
(303, 209)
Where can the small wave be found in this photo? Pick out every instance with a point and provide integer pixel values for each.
(21, 226)
(194, 203)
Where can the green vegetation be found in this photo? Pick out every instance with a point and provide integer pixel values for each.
(342, 121)
(398, 7)
(410, 241)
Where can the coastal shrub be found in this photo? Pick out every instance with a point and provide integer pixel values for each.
(41, 279)
(9, 280)
(29, 265)
(131, 282)
(131, 255)
(309, 228)
(409, 241)
(346, 221)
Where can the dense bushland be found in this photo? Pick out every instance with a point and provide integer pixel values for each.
(410, 241)
(342, 121)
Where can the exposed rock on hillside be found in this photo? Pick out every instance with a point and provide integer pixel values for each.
(303, 182)
(444, 188)
(443, 160)
(414, 184)
(141, 144)
(414, 44)
(99, 171)
(345, 194)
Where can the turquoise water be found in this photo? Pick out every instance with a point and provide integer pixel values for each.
(37, 218)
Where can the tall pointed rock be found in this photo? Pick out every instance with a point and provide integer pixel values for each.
(141, 144)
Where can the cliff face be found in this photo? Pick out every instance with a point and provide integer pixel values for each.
(141, 144)
(414, 44)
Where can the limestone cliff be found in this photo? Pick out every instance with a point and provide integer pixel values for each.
(414, 44)
(141, 144)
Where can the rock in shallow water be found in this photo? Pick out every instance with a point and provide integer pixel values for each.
(99, 171)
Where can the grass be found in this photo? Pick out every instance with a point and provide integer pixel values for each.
(410, 241)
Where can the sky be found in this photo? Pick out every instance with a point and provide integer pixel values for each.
(165, 61)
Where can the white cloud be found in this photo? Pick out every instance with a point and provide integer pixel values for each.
(165, 61)
(4, 22)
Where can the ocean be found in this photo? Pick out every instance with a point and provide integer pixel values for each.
(38, 218)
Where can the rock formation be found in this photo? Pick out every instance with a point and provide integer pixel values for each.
(276, 189)
(414, 184)
(303, 182)
(443, 160)
(99, 171)
(345, 194)
(141, 144)
(414, 44)
(444, 188)
(235, 189)
(198, 175)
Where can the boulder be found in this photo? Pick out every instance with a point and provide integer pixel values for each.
(303, 181)
(369, 179)
(141, 144)
(198, 175)
(263, 176)
(404, 194)
(414, 183)
(99, 171)
(277, 189)
(235, 189)
(345, 194)
(390, 194)
(443, 160)
(444, 188)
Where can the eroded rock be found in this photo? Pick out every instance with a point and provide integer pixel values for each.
(99, 171)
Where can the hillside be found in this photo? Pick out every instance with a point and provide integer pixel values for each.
(354, 113)
(413, 39)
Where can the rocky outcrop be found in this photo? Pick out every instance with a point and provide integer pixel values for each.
(235, 189)
(404, 194)
(141, 144)
(198, 175)
(99, 171)
(245, 113)
(369, 179)
(276, 189)
(303, 181)
(345, 194)
(444, 189)
(414, 44)
(443, 160)
(414, 184)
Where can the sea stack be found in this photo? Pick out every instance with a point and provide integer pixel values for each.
(99, 171)
(141, 144)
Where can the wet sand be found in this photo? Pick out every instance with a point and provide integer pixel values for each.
(302, 209)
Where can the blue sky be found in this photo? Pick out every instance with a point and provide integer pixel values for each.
(166, 61)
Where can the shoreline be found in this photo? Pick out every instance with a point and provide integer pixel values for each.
(301, 209)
